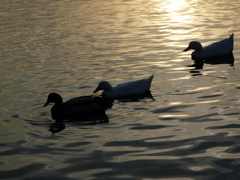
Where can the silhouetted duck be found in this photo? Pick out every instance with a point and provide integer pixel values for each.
(125, 89)
(224, 47)
(80, 108)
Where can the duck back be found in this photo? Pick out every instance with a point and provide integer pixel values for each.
(130, 88)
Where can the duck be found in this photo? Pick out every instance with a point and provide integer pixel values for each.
(80, 108)
(125, 89)
(224, 47)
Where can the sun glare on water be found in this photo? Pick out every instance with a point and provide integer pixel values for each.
(176, 10)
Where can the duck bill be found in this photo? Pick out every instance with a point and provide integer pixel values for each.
(46, 104)
(96, 90)
(186, 49)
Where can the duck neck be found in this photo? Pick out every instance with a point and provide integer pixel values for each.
(109, 87)
(57, 113)
(58, 102)
(199, 48)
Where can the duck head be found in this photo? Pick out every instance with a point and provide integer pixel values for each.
(103, 85)
(194, 45)
(55, 98)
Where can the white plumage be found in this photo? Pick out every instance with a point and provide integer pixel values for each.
(125, 89)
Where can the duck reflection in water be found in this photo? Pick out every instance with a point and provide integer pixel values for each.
(79, 109)
(56, 127)
(225, 59)
(136, 98)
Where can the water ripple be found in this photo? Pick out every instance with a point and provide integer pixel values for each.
(189, 131)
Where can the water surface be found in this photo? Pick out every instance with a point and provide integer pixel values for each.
(190, 131)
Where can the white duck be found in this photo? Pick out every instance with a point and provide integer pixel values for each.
(125, 89)
(220, 48)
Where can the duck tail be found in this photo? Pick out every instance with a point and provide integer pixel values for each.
(150, 81)
(151, 77)
(231, 37)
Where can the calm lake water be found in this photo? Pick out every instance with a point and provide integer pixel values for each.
(191, 131)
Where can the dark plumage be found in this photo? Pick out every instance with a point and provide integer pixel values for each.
(81, 108)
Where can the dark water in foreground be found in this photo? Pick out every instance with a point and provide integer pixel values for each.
(190, 131)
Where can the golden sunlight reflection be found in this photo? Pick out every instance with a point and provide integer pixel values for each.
(177, 60)
(181, 78)
(162, 64)
(179, 68)
(200, 88)
(174, 5)
(176, 10)
(174, 17)
(175, 103)
(173, 115)
(206, 102)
